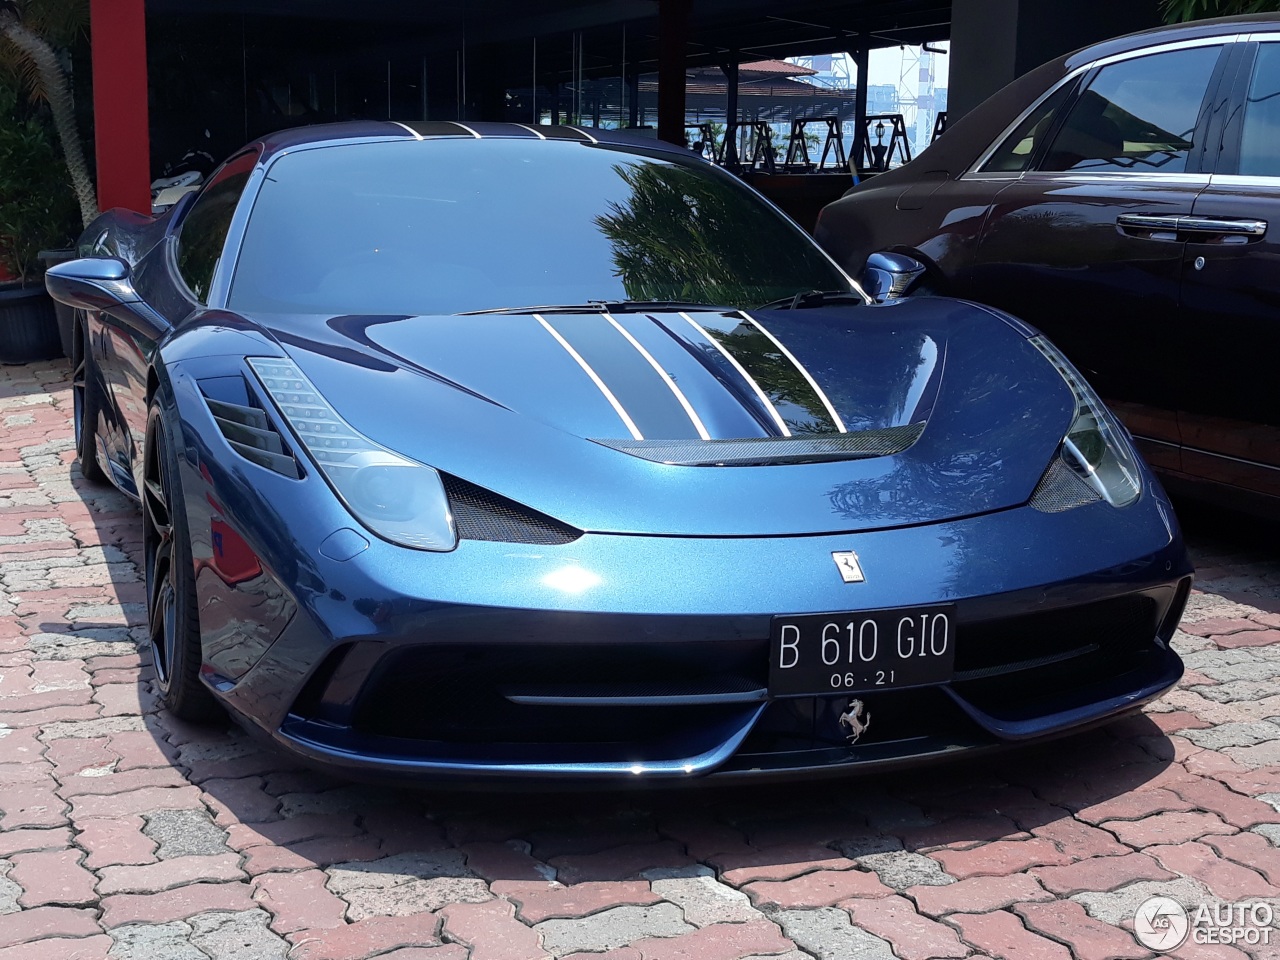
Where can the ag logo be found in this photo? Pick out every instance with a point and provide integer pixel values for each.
(1161, 924)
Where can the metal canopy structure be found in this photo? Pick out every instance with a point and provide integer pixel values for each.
(718, 30)
(224, 71)
(219, 72)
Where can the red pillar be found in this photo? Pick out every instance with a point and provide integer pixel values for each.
(673, 39)
(118, 31)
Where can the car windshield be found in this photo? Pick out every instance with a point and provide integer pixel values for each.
(450, 226)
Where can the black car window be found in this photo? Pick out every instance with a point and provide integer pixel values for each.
(453, 225)
(1137, 114)
(204, 231)
(1014, 155)
(1260, 139)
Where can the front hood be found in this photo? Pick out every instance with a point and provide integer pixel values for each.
(574, 414)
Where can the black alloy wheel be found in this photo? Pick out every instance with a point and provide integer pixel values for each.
(85, 405)
(172, 615)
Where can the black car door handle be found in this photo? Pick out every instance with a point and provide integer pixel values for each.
(1156, 227)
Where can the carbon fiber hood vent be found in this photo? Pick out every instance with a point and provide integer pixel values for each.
(764, 451)
(481, 514)
(1062, 489)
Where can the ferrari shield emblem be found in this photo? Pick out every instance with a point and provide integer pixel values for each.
(847, 564)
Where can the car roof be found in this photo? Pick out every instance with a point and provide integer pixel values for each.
(332, 134)
(973, 132)
(1195, 30)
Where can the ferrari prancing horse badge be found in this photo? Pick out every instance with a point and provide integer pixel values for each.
(847, 564)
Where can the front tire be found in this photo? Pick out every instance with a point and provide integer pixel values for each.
(172, 614)
(85, 405)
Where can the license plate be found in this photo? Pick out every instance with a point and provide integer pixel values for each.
(829, 653)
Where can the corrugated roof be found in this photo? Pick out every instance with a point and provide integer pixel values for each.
(778, 68)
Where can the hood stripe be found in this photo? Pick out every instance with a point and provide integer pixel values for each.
(666, 378)
(416, 134)
(540, 136)
(464, 127)
(733, 361)
(826, 401)
(595, 378)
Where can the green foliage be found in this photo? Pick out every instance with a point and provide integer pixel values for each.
(1178, 11)
(63, 23)
(683, 236)
(38, 208)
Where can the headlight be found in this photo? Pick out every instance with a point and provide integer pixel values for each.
(1094, 446)
(395, 497)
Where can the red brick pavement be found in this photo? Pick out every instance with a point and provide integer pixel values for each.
(124, 832)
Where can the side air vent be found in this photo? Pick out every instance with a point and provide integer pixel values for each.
(1062, 489)
(480, 514)
(247, 428)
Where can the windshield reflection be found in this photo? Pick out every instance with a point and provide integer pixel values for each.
(685, 235)
(454, 226)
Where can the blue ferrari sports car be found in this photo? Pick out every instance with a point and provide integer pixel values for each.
(494, 450)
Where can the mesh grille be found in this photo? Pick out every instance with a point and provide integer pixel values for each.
(1062, 489)
(760, 451)
(480, 514)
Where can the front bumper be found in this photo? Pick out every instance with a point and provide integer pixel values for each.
(399, 664)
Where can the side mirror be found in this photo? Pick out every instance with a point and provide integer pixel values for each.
(890, 276)
(91, 283)
(102, 285)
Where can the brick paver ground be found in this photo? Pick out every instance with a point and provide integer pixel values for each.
(124, 833)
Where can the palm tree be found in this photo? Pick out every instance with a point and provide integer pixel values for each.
(1177, 11)
(31, 33)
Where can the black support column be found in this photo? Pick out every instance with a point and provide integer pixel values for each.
(862, 62)
(730, 147)
(673, 39)
(995, 41)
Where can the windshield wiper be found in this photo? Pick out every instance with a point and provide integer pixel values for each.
(813, 298)
(601, 306)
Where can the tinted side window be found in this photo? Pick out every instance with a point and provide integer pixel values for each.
(1019, 147)
(205, 230)
(1138, 115)
(1260, 140)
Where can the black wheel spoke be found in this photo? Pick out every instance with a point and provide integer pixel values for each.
(158, 532)
(163, 630)
(157, 506)
(173, 625)
(77, 399)
(84, 404)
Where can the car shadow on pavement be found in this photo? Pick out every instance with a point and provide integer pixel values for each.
(1235, 555)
